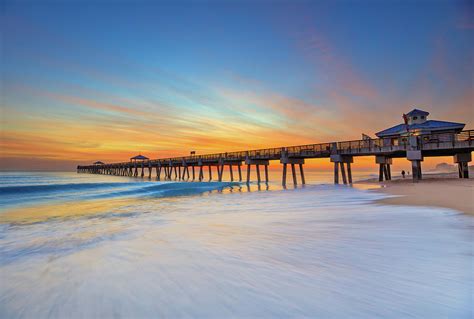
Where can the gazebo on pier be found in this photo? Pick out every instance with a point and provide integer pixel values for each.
(99, 163)
(139, 158)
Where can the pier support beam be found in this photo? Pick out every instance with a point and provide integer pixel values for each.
(415, 157)
(257, 163)
(416, 170)
(285, 160)
(342, 161)
(343, 173)
(201, 173)
(303, 180)
(248, 173)
(266, 174)
(230, 162)
(220, 171)
(158, 171)
(463, 160)
(384, 167)
(349, 172)
(185, 170)
(293, 173)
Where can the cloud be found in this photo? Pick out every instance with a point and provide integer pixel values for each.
(322, 56)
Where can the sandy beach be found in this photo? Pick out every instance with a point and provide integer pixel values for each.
(441, 190)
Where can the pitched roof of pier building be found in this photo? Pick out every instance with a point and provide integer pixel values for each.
(139, 158)
(417, 122)
(415, 112)
(98, 163)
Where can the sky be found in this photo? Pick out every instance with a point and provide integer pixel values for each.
(105, 80)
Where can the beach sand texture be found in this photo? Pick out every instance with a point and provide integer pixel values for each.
(441, 190)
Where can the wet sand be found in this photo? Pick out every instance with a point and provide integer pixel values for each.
(441, 190)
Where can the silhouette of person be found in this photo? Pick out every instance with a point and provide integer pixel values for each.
(403, 173)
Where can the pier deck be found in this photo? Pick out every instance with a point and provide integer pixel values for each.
(414, 148)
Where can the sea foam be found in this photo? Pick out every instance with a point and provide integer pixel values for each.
(321, 251)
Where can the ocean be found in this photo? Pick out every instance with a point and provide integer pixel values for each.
(92, 246)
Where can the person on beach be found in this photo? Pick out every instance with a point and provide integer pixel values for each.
(403, 173)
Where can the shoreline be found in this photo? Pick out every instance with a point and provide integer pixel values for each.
(435, 190)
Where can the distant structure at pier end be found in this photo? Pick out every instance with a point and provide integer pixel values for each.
(417, 123)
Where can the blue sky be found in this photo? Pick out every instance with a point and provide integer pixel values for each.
(200, 73)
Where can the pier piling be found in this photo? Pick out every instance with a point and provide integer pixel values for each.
(463, 159)
(415, 157)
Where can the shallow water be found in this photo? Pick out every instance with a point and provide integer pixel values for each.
(219, 250)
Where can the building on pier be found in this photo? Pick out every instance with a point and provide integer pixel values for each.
(99, 163)
(417, 123)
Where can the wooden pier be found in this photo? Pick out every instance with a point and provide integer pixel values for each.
(414, 148)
